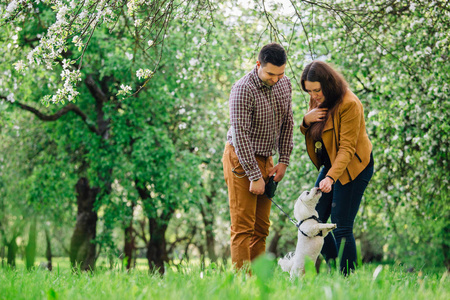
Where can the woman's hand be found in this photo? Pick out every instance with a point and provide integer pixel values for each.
(326, 184)
(315, 115)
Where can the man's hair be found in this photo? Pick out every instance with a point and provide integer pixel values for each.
(272, 53)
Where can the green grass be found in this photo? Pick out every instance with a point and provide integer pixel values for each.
(191, 281)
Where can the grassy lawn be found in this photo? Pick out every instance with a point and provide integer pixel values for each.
(191, 281)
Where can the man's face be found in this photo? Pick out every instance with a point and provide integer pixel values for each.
(270, 74)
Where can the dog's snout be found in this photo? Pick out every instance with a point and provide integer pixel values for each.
(316, 191)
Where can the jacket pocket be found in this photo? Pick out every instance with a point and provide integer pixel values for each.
(359, 158)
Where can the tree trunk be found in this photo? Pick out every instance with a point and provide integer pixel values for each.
(156, 250)
(82, 248)
(30, 250)
(273, 247)
(48, 251)
(12, 250)
(446, 256)
(156, 247)
(446, 247)
(2, 255)
(208, 221)
(129, 242)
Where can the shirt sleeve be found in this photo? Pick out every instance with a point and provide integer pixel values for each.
(287, 133)
(241, 107)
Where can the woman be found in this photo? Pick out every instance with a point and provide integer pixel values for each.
(336, 138)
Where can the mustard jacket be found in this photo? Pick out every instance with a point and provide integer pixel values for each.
(345, 139)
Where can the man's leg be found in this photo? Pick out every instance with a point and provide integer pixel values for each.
(242, 207)
(262, 222)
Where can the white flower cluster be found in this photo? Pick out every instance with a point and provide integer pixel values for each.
(78, 42)
(144, 73)
(10, 9)
(67, 92)
(133, 6)
(124, 90)
(71, 17)
(20, 66)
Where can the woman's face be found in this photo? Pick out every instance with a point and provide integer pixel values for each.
(314, 89)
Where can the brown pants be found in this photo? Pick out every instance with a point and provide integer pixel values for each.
(249, 213)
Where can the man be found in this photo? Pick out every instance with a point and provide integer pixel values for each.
(261, 125)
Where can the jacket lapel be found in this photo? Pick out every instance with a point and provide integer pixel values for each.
(328, 124)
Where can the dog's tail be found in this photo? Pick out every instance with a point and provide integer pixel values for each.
(286, 262)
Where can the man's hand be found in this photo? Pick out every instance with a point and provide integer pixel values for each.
(279, 171)
(257, 187)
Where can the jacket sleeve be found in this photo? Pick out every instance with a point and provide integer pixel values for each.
(303, 127)
(241, 106)
(350, 122)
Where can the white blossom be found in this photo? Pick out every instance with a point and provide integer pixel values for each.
(10, 98)
(124, 90)
(193, 62)
(444, 41)
(144, 73)
(19, 66)
(11, 8)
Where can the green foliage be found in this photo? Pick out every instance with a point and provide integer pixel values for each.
(192, 281)
(164, 116)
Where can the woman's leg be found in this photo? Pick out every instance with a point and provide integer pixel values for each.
(329, 249)
(345, 205)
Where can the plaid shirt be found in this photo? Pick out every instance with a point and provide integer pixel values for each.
(261, 121)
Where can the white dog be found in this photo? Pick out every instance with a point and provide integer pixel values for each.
(310, 234)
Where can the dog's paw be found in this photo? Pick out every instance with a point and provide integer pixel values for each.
(333, 226)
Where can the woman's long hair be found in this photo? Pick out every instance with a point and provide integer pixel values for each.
(333, 87)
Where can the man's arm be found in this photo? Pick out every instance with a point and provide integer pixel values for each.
(241, 106)
(287, 134)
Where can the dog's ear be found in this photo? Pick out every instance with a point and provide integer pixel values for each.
(298, 204)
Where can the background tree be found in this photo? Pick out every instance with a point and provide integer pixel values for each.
(134, 95)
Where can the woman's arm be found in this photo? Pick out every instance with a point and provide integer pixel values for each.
(350, 114)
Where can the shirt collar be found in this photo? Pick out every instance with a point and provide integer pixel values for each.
(258, 82)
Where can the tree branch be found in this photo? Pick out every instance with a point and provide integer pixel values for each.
(100, 97)
(48, 118)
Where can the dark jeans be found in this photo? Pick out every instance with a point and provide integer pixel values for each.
(342, 203)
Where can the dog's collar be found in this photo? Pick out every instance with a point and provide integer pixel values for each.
(301, 222)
